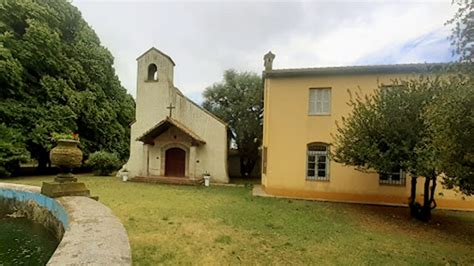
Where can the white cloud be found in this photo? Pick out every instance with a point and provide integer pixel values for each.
(205, 38)
(381, 28)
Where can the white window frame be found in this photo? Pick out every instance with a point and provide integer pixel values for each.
(316, 105)
(316, 168)
(390, 181)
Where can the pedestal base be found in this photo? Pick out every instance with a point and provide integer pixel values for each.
(61, 189)
(65, 179)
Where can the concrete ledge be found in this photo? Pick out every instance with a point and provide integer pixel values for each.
(26, 201)
(167, 180)
(95, 236)
(92, 236)
(383, 200)
(259, 191)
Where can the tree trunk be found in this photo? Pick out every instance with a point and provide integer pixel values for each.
(414, 207)
(42, 164)
(246, 166)
(433, 189)
(425, 213)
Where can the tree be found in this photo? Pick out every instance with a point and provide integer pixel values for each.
(462, 36)
(56, 77)
(386, 132)
(238, 100)
(450, 118)
(434, 123)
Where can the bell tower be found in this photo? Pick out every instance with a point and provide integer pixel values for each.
(155, 88)
(155, 66)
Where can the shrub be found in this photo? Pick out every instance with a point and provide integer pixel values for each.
(103, 163)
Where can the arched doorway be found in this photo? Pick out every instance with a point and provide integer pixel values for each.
(175, 162)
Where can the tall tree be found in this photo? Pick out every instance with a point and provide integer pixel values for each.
(450, 119)
(386, 132)
(450, 116)
(462, 35)
(55, 76)
(238, 100)
(434, 123)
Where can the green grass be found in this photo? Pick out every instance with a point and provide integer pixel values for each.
(226, 225)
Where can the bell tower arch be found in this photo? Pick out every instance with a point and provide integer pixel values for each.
(155, 88)
(157, 64)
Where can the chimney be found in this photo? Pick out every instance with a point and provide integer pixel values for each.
(268, 61)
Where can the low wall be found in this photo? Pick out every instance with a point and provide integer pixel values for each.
(26, 201)
(88, 230)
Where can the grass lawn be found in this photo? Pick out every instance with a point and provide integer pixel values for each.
(226, 225)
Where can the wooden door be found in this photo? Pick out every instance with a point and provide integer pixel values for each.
(175, 162)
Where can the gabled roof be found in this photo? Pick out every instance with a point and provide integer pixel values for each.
(158, 51)
(149, 136)
(344, 70)
(202, 108)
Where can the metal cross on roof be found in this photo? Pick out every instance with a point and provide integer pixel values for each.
(171, 107)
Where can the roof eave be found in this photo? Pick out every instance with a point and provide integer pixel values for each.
(150, 135)
(203, 109)
(154, 49)
(353, 70)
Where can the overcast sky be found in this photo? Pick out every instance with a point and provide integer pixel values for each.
(206, 38)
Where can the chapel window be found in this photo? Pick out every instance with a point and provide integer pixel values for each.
(152, 72)
(320, 101)
(317, 162)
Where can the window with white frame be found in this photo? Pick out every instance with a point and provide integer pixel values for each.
(392, 178)
(320, 101)
(317, 162)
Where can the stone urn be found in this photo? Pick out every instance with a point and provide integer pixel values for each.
(66, 155)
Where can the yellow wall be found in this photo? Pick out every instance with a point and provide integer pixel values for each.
(288, 128)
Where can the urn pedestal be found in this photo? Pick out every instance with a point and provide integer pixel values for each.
(66, 155)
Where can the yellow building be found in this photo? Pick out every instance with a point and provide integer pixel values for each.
(300, 114)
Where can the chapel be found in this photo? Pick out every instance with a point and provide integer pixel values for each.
(173, 139)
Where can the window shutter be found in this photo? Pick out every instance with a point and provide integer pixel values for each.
(319, 107)
(326, 100)
(320, 101)
(312, 101)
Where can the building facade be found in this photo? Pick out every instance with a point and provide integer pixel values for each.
(302, 107)
(172, 136)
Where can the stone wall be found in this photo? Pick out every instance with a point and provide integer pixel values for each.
(25, 201)
(89, 231)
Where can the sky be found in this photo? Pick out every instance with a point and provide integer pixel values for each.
(204, 38)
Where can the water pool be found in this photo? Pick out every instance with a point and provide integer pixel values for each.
(24, 242)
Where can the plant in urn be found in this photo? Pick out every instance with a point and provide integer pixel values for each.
(67, 156)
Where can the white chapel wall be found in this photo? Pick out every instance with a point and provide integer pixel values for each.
(152, 99)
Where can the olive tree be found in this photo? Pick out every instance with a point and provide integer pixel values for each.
(238, 100)
(386, 131)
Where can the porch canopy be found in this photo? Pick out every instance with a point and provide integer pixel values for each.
(149, 136)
